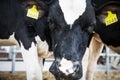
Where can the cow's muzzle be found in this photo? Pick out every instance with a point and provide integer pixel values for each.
(66, 70)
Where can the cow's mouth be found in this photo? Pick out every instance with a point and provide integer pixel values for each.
(67, 70)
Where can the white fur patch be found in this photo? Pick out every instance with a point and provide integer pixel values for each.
(43, 48)
(72, 9)
(31, 61)
(66, 66)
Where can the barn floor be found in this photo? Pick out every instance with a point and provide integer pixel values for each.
(48, 76)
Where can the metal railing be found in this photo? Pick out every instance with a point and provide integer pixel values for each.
(13, 50)
(109, 54)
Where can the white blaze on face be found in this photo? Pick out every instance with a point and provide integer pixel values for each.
(66, 66)
(72, 9)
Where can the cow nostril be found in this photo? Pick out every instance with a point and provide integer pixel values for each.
(76, 69)
(76, 66)
(59, 65)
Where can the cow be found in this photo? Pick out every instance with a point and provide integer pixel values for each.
(24, 22)
(71, 23)
(106, 32)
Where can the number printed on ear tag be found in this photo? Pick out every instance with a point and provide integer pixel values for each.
(111, 18)
(33, 12)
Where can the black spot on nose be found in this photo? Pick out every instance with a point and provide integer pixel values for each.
(59, 65)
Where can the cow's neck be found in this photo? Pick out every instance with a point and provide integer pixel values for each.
(72, 9)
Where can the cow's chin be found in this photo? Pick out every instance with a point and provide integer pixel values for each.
(75, 75)
(66, 70)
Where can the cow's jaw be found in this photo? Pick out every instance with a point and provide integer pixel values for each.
(72, 9)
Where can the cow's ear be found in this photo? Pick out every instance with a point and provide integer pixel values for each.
(48, 1)
(42, 4)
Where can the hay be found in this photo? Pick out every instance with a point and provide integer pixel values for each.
(48, 76)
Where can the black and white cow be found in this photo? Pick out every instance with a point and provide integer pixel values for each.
(71, 22)
(106, 32)
(24, 20)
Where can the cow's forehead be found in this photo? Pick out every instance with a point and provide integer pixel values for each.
(72, 9)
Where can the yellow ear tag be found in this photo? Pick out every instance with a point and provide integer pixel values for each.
(33, 12)
(111, 18)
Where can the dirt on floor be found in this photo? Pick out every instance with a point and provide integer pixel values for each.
(48, 76)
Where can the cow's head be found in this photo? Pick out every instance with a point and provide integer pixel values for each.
(71, 21)
(32, 21)
(108, 21)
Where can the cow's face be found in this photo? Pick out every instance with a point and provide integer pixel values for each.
(69, 47)
(70, 37)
